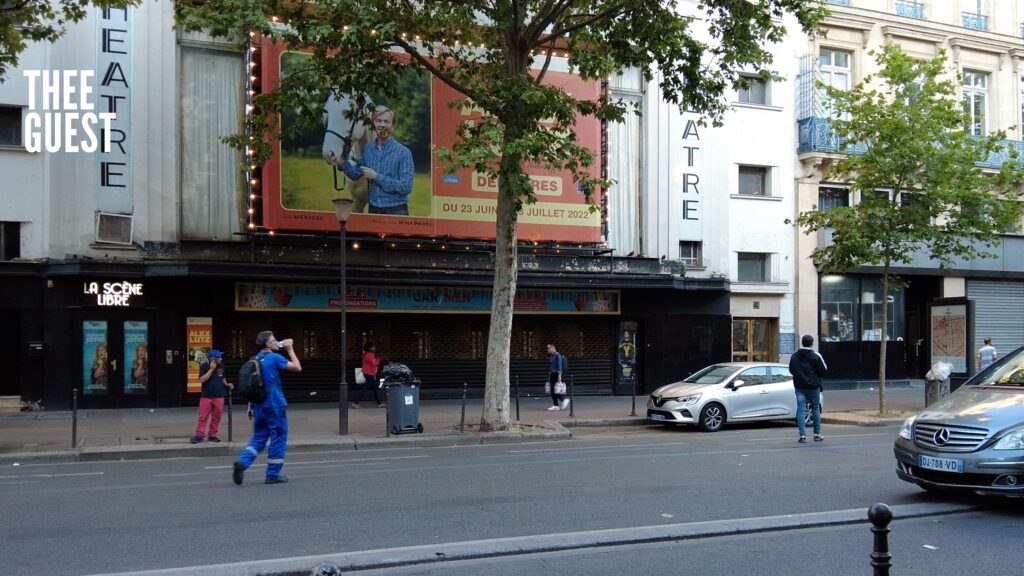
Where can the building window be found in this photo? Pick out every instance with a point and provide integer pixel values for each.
(691, 253)
(973, 16)
(756, 92)
(10, 240)
(851, 310)
(975, 100)
(752, 267)
(834, 71)
(754, 181)
(831, 198)
(10, 126)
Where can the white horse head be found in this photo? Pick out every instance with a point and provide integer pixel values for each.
(342, 132)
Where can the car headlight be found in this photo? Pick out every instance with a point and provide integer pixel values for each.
(906, 430)
(691, 399)
(1012, 440)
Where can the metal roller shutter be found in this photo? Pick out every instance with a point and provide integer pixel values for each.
(998, 313)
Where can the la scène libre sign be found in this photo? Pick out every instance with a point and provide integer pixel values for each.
(113, 293)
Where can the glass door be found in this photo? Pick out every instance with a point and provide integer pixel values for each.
(115, 360)
(753, 340)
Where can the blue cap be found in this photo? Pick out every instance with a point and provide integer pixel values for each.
(214, 353)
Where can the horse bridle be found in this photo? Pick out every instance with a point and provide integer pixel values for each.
(346, 150)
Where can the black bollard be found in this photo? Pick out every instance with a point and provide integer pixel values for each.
(632, 412)
(230, 402)
(517, 398)
(74, 418)
(462, 421)
(880, 516)
(572, 401)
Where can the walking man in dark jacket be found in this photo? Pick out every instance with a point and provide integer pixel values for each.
(807, 367)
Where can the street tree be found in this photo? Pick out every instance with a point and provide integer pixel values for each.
(919, 183)
(26, 21)
(496, 53)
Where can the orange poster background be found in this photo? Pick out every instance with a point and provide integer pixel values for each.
(198, 341)
(463, 203)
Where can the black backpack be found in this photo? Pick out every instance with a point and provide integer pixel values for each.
(250, 380)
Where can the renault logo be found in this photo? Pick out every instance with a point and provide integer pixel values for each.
(941, 437)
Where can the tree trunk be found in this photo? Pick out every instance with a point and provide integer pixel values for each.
(496, 414)
(882, 408)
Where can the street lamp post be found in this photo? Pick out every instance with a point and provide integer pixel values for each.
(343, 208)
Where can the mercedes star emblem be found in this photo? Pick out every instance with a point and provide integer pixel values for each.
(941, 437)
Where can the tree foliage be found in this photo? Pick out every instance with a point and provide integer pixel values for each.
(485, 49)
(918, 184)
(26, 21)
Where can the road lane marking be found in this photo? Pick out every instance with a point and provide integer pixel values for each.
(51, 475)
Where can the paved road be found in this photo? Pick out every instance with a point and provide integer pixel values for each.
(121, 516)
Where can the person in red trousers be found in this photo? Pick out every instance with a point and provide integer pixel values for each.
(211, 401)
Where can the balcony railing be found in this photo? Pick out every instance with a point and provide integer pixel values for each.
(910, 9)
(1022, 29)
(998, 159)
(816, 135)
(974, 21)
(838, 2)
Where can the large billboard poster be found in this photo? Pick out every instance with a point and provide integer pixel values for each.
(299, 183)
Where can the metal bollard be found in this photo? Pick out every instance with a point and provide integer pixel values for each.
(74, 418)
(880, 516)
(572, 401)
(517, 397)
(230, 402)
(462, 421)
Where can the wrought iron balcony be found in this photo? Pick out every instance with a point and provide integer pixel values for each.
(838, 2)
(910, 9)
(1022, 29)
(974, 21)
(996, 160)
(816, 135)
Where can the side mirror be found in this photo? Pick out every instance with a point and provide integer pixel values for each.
(737, 383)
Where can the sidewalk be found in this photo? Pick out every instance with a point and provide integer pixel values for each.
(139, 433)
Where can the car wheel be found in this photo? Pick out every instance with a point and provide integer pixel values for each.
(712, 417)
(808, 415)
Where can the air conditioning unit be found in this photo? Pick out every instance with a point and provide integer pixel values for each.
(114, 228)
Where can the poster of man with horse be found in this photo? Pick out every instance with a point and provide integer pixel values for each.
(388, 165)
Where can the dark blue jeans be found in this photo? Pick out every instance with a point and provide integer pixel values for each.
(802, 398)
(400, 210)
(370, 384)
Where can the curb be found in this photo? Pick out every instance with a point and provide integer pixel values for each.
(559, 430)
(226, 449)
(522, 545)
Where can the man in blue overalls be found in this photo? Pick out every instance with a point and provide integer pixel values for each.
(269, 418)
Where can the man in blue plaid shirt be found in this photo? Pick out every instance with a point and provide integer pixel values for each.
(387, 165)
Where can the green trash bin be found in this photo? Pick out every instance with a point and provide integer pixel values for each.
(403, 407)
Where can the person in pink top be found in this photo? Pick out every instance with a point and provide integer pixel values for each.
(370, 363)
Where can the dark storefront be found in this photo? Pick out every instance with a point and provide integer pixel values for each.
(119, 331)
(851, 320)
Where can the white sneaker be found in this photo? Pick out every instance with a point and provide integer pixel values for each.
(553, 408)
(565, 404)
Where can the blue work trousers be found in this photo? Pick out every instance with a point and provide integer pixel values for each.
(269, 423)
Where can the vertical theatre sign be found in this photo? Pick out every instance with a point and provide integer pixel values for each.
(113, 76)
(690, 225)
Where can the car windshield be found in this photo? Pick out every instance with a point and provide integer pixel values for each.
(712, 375)
(1008, 372)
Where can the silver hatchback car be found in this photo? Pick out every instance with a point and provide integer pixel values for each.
(720, 393)
(973, 440)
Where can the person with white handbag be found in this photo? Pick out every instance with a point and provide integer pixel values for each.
(369, 372)
(556, 384)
